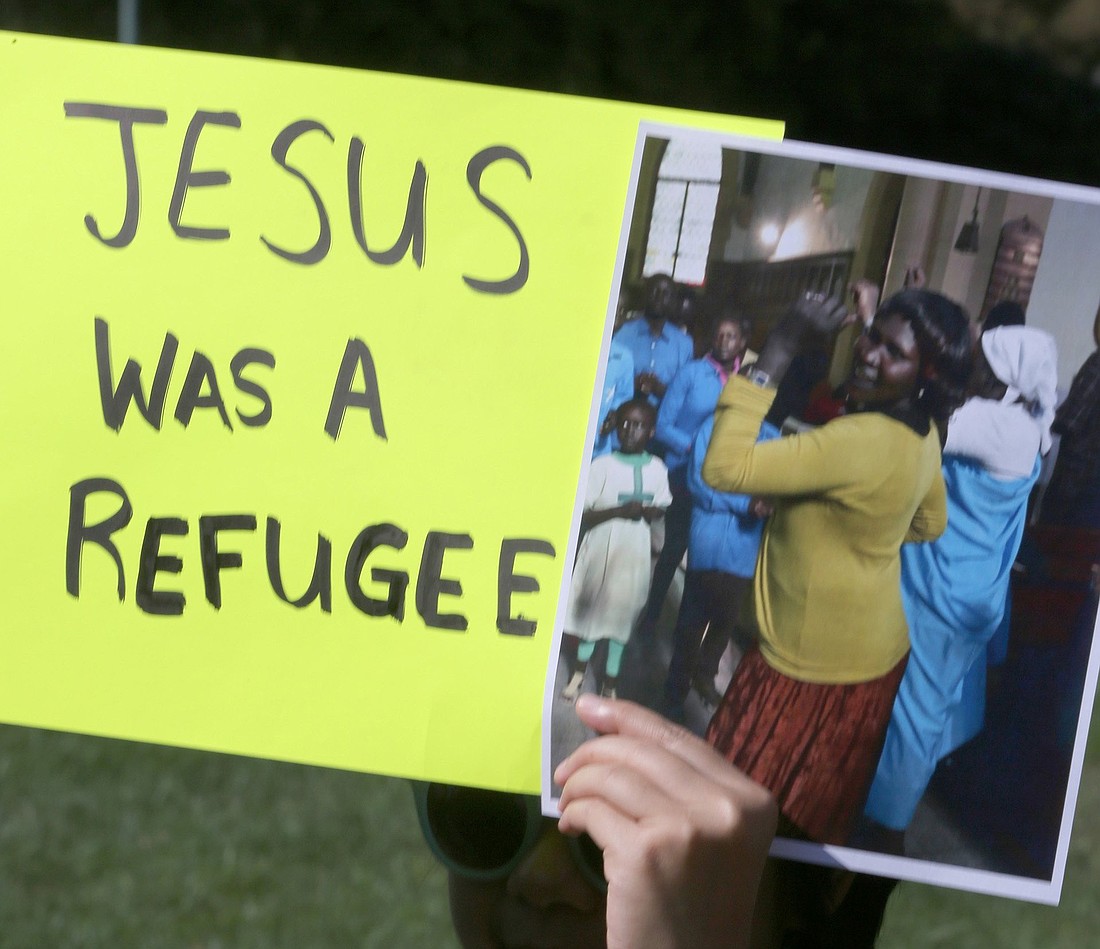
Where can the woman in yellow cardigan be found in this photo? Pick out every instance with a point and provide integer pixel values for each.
(806, 713)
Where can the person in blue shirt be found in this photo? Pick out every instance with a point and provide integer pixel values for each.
(618, 389)
(688, 402)
(722, 548)
(657, 346)
(955, 590)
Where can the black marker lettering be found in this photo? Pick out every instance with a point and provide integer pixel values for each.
(186, 177)
(80, 533)
(249, 357)
(508, 582)
(200, 373)
(167, 603)
(412, 232)
(279, 149)
(430, 583)
(474, 171)
(370, 538)
(321, 583)
(213, 560)
(115, 402)
(126, 119)
(356, 355)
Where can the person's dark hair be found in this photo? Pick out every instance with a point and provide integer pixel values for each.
(641, 403)
(1005, 313)
(728, 313)
(942, 330)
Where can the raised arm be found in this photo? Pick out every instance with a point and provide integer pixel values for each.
(731, 463)
(702, 494)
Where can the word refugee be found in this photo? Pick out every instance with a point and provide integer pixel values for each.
(430, 582)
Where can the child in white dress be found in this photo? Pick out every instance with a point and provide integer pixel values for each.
(627, 492)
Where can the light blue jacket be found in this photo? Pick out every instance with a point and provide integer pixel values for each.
(724, 536)
(689, 401)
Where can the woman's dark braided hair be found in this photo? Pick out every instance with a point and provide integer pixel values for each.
(942, 330)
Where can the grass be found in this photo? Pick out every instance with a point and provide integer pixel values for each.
(113, 844)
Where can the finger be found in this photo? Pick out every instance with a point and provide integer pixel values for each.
(642, 778)
(597, 818)
(660, 765)
(633, 792)
(823, 311)
(620, 717)
(625, 800)
(835, 309)
(632, 767)
(616, 717)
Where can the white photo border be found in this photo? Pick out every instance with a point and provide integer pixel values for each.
(903, 868)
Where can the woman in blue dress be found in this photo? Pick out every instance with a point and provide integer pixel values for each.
(955, 590)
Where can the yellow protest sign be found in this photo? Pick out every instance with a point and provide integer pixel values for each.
(300, 364)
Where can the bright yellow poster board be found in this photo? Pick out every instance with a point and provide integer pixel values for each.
(299, 368)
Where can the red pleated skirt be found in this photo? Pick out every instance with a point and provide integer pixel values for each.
(814, 746)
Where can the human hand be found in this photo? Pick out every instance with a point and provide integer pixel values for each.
(647, 383)
(633, 510)
(865, 296)
(609, 423)
(684, 834)
(814, 316)
(915, 277)
(760, 508)
(817, 314)
(652, 514)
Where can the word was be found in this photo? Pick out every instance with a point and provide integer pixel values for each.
(201, 390)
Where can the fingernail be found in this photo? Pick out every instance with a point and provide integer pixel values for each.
(560, 770)
(588, 702)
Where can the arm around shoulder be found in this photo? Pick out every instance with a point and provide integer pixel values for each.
(930, 519)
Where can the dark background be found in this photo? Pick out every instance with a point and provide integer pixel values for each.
(908, 77)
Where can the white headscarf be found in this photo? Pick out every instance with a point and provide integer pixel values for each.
(1006, 436)
(1026, 360)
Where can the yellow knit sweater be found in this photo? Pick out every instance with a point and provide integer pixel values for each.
(847, 495)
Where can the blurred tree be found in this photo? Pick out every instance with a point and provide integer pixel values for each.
(901, 76)
(1067, 31)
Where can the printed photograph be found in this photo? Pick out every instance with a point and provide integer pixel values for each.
(841, 512)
